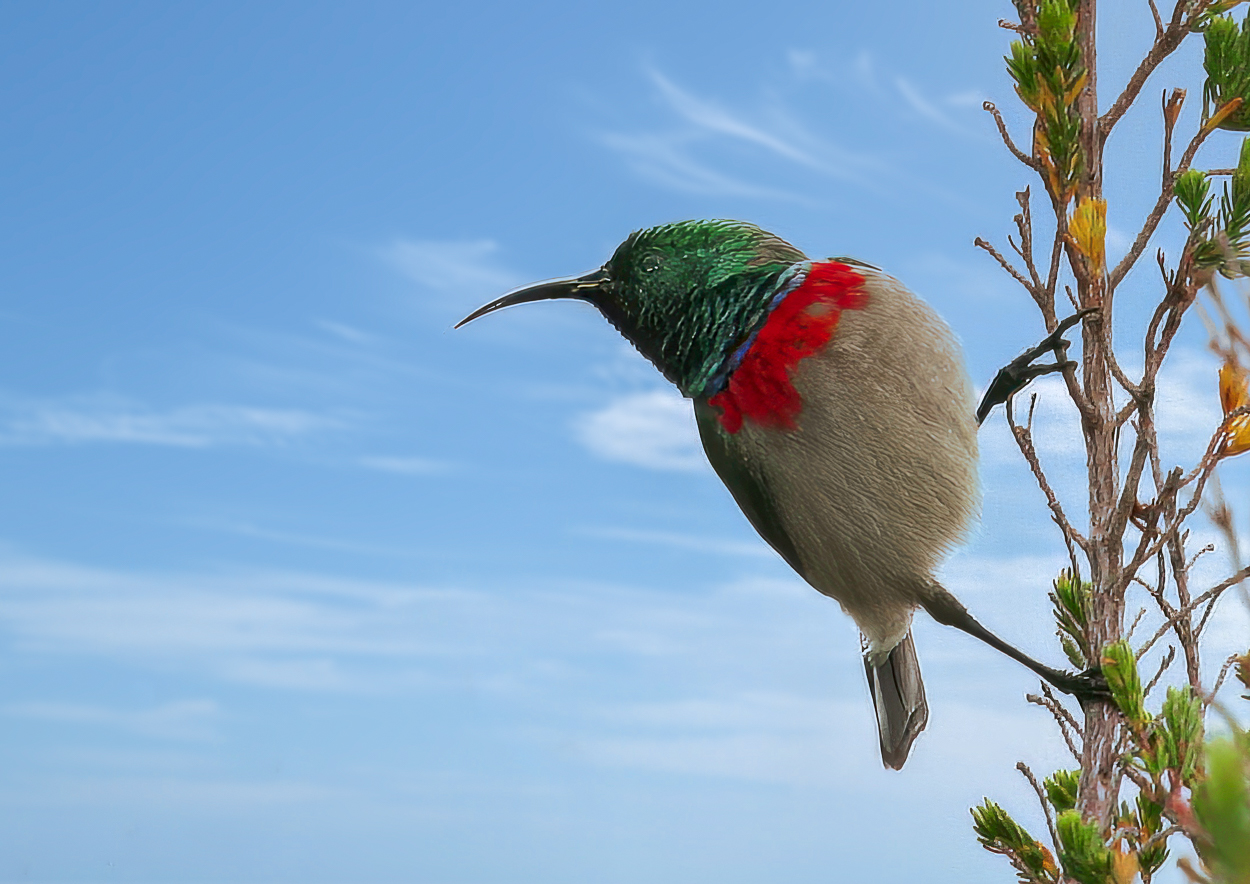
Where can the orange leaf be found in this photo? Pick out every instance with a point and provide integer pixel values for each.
(1234, 389)
(1234, 394)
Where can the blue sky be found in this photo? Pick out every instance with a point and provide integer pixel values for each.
(296, 584)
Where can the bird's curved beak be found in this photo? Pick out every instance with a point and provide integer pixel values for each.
(580, 288)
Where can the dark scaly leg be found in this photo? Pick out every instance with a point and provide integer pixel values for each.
(949, 611)
(944, 607)
(1017, 374)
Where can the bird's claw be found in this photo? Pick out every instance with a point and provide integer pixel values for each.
(1085, 686)
(1020, 372)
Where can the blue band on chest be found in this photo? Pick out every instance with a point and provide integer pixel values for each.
(789, 281)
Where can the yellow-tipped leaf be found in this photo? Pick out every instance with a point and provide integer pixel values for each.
(1235, 393)
(1088, 227)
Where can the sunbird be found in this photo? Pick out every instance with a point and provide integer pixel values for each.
(835, 406)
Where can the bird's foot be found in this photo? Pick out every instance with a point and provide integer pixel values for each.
(1085, 686)
(1017, 374)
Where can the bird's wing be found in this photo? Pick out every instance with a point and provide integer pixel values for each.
(842, 259)
(747, 486)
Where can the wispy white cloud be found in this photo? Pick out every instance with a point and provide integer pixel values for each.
(964, 278)
(755, 680)
(405, 466)
(675, 154)
(655, 430)
(708, 117)
(180, 720)
(666, 159)
(925, 107)
(863, 75)
(309, 632)
(243, 626)
(300, 674)
(1056, 424)
(181, 792)
(345, 332)
(108, 419)
(804, 64)
(1189, 405)
(798, 740)
(864, 72)
(468, 268)
(299, 539)
(860, 73)
(712, 545)
(968, 98)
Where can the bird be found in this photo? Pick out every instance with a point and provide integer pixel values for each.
(835, 406)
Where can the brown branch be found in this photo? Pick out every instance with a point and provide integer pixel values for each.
(1025, 220)
(1067, 542)
(1159, 837)
(1216, 591)
(1165, 44)
(1075, 391)
(1052, 275)
(1071, 719)
(1219, 681)
(1028, 16)
(1128, 495)
(1209, 548)
(1210, 460)
(1165, 490)
(1163, 667)
(1206, 615)
(1122, 416)
(1134, 390)
(982, 244)
(1063, 725)
(1041, 799)
(1067, 290)
(1024, 440)
(1011, 145)
(1024, 223)
(1172, 486)
(1139, 779)
(1154, 10)
(1184, 626)
(1150, 342)
(1213, 593)
(1156, 214)
(1171, 112)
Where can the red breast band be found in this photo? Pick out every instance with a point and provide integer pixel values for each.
(760, 389)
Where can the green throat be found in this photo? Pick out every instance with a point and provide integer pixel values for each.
(690, 295)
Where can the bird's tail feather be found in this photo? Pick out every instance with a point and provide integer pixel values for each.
(898, 696)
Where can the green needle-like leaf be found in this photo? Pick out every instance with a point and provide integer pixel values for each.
(1222, 805)
(1061, 789)
(1119, 667)
(1084, 856)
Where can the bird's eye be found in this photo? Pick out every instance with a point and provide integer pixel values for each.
(650, 263)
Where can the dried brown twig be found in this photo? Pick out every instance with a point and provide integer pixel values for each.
(1211, 594)
(1138, 503)
(1041, 799)
(1062, 717)
(1024, 440)
(1011, 145)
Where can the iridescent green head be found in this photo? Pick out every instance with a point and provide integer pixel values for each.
(685, 294)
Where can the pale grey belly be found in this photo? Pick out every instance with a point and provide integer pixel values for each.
(879, 480)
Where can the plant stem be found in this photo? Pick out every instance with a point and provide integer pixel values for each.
(1096, 794)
